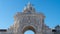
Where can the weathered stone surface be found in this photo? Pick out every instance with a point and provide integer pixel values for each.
(28, 20)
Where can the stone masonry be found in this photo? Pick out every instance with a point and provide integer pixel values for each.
(29, 19)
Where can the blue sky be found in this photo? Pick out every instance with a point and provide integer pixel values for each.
(50, 8)
(29, 32)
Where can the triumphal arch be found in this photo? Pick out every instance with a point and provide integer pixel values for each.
(28, 19)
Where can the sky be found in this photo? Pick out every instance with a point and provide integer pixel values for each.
(50, 8)
(29, 32)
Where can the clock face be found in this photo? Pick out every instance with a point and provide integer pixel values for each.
(29, 12)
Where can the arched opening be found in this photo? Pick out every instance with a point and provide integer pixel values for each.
(29, 30)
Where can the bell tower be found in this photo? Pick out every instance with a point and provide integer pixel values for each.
(29, 20)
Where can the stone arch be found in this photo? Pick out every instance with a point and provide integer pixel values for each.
(29, 28)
